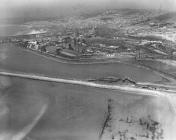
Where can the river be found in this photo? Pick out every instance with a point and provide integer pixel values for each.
(17, 59)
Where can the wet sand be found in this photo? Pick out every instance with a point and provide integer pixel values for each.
(74, 111)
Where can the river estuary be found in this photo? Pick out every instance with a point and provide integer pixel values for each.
(40, 110)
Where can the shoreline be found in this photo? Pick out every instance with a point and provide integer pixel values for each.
(130, 89)
(74, 61)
